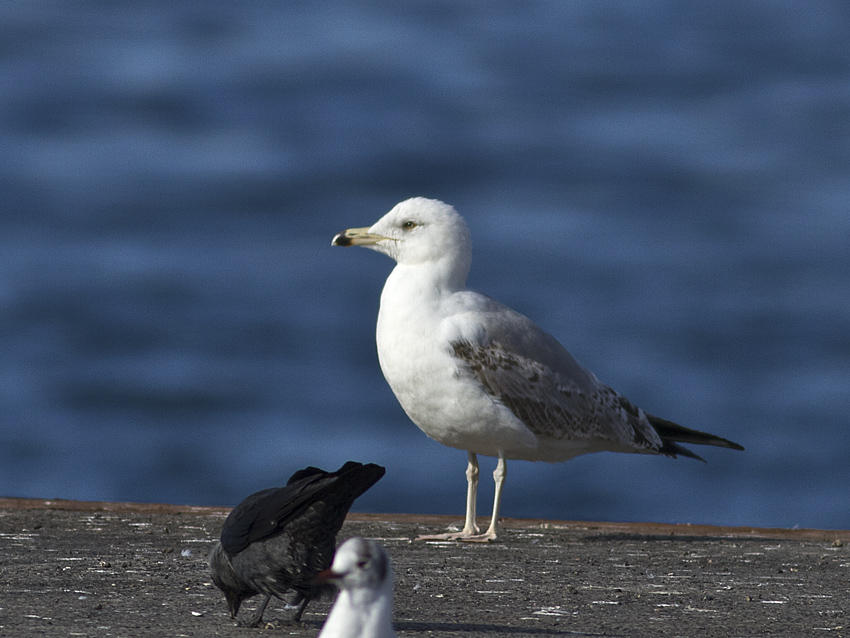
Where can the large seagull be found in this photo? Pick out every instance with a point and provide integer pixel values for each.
(475, 375)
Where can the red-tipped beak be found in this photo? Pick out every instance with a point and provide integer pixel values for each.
(326, 576)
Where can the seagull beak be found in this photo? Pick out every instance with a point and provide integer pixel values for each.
(357, 237)
(327, 575)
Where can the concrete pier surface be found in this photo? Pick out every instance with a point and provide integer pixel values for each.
(72, 568)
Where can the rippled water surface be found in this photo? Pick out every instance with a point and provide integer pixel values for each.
(663, 186)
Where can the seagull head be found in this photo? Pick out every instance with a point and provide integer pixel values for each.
(359, 565)
(416, 231)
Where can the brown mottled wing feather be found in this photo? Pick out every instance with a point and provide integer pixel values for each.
(530, 372)
(554, 407)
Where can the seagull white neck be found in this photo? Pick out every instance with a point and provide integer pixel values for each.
(411, 299)
(444, 276)
(361, 613)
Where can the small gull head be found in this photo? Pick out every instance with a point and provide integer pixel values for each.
(363, 571)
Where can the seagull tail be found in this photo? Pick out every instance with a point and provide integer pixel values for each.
(673, 433)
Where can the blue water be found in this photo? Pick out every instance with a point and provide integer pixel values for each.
(663, 186)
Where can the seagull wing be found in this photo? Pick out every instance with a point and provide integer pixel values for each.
(556, 398)
(556, 407)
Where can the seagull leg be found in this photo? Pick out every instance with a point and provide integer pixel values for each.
(499, 475)
(470, 527)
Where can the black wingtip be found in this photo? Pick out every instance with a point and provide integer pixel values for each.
(672, 433)
(674, 450)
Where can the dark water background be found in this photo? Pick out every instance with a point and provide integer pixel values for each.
(664, 186)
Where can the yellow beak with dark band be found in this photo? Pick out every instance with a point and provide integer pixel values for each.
(357, 237)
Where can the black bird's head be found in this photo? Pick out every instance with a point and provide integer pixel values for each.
(225, 578)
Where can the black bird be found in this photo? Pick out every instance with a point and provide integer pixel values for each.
(278, 539)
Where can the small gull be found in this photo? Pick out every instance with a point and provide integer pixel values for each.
(475, 375)
(364, 608)
(278, 539)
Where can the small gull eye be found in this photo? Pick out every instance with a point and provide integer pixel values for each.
(409, 225)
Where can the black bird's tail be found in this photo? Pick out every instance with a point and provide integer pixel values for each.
(673, 433)
(362, 476)
(336, 491)
(352, 480)
(330, 494)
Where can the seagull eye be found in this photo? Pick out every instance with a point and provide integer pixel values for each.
(362, 564)
(409, 225)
